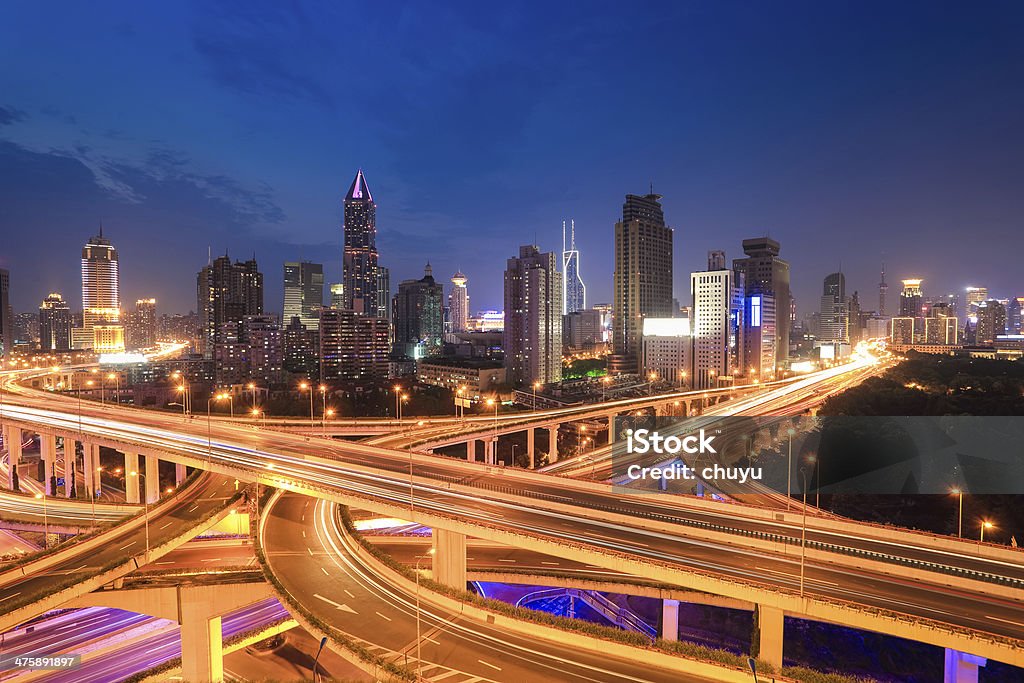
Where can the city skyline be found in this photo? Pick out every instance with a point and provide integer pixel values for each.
(908, 154)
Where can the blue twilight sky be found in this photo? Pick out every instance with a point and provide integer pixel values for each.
(849, 131)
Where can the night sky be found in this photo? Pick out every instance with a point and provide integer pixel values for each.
(851, 132)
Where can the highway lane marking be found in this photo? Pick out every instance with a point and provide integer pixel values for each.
(496, 668)
(167, 525)
(165, 562)
(500, 560)
(128, 546)
(1005, 621)
(614, 540)
(551, 563)
(431, 640)
(775, 571)
(310, 551)
(13, 595)
(193, 507)
(303, 533)
(324, 571)
(383, 616)
(343, 608)
(348, 593)
(215, 559)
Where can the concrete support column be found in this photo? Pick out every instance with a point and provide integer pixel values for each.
(490, 446)
(12, 442)
(94, 454)
(131, 481)
(962, 667)
(471, 450)
(202, 641)
(88, 469)
(531, 447)
(612, 435)
(450, 558)
(553, 443)
(70, 465)
(48, 452)
(179, 473)
(152, 479)
(770, 625)
(670, 619)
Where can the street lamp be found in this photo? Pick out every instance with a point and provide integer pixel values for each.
(328, 412)
(985, 524)
(604, 386)
(789, 469)
(419, 639)
(117, 386)
(323, 411)
(46, 520)
(303, 386)
(251, 386)
(650, 384)
(536, 386)
(398, 403)
(579, 438)
(960, 517)
(460, 409)
(803, 532)
(812, 459)
(682, 379)
(209, 425)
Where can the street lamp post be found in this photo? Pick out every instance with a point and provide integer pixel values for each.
(604, 386)
(46, 520)
(960, 516)
(789, 469)
(398, 403)
(536, 385)
(460, 409)
(812, 459)
(251, 386)
(209, 426)
(803, 533)
(323, 409)
(985, 524)
(419, 639)
(303, 386)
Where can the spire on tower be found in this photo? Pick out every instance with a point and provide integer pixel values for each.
(359, 188)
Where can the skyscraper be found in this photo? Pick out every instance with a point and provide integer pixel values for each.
(835, 312)
(419, 316)
(574, 292)
(140, 329)
(883, 290)
(974, 297)
(533, 318)
(643, 277)
(6, 329)
(54, 324)
(458, 303)
(991, 321)
(226, 293)
(383, 293)
(359, 265)
(337, 297)
(101, 296)
(717, 325)
(303, 292)
(910, 299)
(767, 275)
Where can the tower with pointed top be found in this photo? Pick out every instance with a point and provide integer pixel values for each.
(574, 292)
(359, 263)
(883, 289)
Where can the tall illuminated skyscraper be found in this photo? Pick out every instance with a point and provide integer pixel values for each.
(767, 275)
(643, 277)
(101, 296)
(359, 265)
(574, 292)
(140, 330)
(226, 293)
(303, 292)
(458, 303)
(533, 318)
(911, 299)
(54, 324)
(835, 311)
(717, 322)
(419, 316)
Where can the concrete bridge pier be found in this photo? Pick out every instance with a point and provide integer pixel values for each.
(611, 427)
(490, 446)
(531, 447)
(962, 667)
(131, 477)
(770, 626)
(471, 450)
(202, 640)
(553, 443)
(152, 479)
(669, 619)
(91, 466)
(179, 473)
(48, 453)
(450, 558)
(12, 442)
(70, 465)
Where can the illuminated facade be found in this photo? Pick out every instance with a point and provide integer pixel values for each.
(226, 293)
(574, 292)
(458, 303)
(533, 317)
(353, 347)
(911, 299)
(6, 330)
(766, 275)
(643, 277)
(835, 311)
(667, 346)
(991, 322)
(101, 295)
(54, 324)
(717, 325)
(140, 326)
(359, 263)
(419, 317)
(303, 292)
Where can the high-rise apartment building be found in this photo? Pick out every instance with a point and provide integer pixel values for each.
(991, 321)
(834, 311)
(760, 336)
(767, 275)
(941, 326)
(226, 293)
(1015, 315)
(581, 330)
(973, 298)
(911, 301)
(717, 324)
(54, 324)
(533, 318)
(353, 347)
(6, 316)
(265, 341)
(667, 347)
(359, 264)
(383, 293)
(101, 296)
(301, 349)
(643, 277)
(458, 303)
(574, 292)
(140, 325)
(418, 316)
(303, 292)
